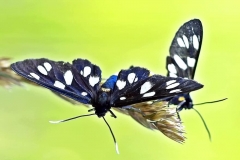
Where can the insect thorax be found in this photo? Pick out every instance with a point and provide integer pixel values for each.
(102, 103)
(183, 101)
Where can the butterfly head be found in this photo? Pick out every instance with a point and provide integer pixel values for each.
(101, 105)
(182, 101)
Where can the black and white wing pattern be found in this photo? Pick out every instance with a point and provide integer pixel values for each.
(182, 62)
(81, 81)
(135, 85)
(185, 49)
(184, 53)
(78, 81)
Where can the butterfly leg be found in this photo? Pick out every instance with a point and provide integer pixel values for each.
(112, 114)
(179, 106)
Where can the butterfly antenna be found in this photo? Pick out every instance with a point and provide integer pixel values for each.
(211, 102)
(205, 125)
(114, 139)
(69, 119)
(178, 106)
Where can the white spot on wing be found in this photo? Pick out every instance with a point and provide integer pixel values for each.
(145, 87)
(172, 75)
(47, 66)
(35, 76)
(136, 79)
(180, 42)
(180, 62)
(185, 41)
(120, 84)
(195, 42)
(175, 91)
(191, 61)
(172, 68)
(84, 93)
(131, 77)
(122, 98)
(170, 82)
(150, 94)
(81, 72)
(59, 84)
(172, 85)
(93, 80)
(68, 76)
(86, 71)
(42, 70)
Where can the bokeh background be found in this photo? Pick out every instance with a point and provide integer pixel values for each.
(114, 35)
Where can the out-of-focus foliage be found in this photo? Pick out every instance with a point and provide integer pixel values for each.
(7, 76)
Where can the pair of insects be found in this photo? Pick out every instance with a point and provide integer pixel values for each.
(143, 96)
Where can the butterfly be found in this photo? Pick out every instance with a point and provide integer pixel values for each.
(182, 62)
(184, 53)
(80, 81)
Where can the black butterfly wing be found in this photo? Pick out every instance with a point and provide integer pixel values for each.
(134, 86)
(185, 49)
(71, 80)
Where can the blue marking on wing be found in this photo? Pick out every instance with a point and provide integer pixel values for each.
(110, 82)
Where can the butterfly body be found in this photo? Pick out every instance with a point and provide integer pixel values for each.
(102, 103)
(183, 101)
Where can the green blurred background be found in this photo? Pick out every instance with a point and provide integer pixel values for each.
(114, 35)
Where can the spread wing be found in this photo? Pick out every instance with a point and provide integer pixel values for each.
(78, 81)
(135, 85)
(185, 49)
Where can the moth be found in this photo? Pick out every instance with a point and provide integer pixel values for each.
(182, 62)
(80, 81)
(184, 53)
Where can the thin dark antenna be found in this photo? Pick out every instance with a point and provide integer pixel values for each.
(114, 139)
(65, 120)
(211, 102)
(205, 125)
